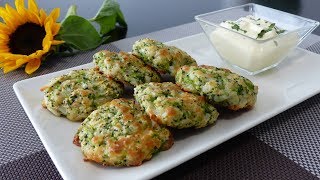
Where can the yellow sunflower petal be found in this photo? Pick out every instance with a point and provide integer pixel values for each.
(47, 28)
(47, 46)
(8, 63)
(7, 69)
(32, 66)
(20, 7)
(46, 43)
(3, 42)
(4, 27)
(3, 46)
(55, 13)
(8, 19)
(42, 52)
(3, 12)
(19, 19)
(4, 49)
(35, 55)
(46, 40)
(33, 7)
(33, 18)
(1, 64)
(2, 60)
(4, 36)
(55, 28)
(57, 42)
(21, 61)
(48, 24)
(43, 16)
(12, 56)
(10, 66)
(6, 15)
(4, 32)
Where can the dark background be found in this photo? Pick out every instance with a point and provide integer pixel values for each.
(145, 16)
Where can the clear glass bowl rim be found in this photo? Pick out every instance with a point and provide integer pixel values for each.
(313, 26)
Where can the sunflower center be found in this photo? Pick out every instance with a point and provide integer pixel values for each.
(27, 39)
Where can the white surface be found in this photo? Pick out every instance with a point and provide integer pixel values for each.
(293, 81)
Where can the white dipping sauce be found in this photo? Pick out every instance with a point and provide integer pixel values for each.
(254, 53)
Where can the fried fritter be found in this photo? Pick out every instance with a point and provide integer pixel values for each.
(78, 93)
(167, 104)
(220, 86)
(119, 133)
(125, 67)
(164, 58)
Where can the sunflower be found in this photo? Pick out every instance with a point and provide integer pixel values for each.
(26, 35)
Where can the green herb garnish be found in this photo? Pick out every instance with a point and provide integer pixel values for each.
(236, 27)
(264, 31)
(280, 31)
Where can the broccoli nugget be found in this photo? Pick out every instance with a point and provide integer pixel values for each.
(125, 67)
(164, 58)
(167, 104)
(119, 133)
(219, 85)
(78, 93)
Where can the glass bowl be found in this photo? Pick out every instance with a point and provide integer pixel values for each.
(249, 54)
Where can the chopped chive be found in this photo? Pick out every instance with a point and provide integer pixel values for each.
(264, 31)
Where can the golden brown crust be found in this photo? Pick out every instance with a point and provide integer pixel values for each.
(186, 68)
(119, 133)
(76, 140)
(164, 58)
(43, 104)
(168, 144)
(210, 67)
(234, 107)
(43, 88)
(125, 67)
(219, 85)
(154, 118)
(76, 94)
(168, 105)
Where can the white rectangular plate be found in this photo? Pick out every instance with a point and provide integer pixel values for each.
(292, 82)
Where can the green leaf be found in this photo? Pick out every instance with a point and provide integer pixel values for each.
(118, 33)
(107, 23)
(108, 16)
(121, 20)
(79, 33)
(71, 11)
(105, 39)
